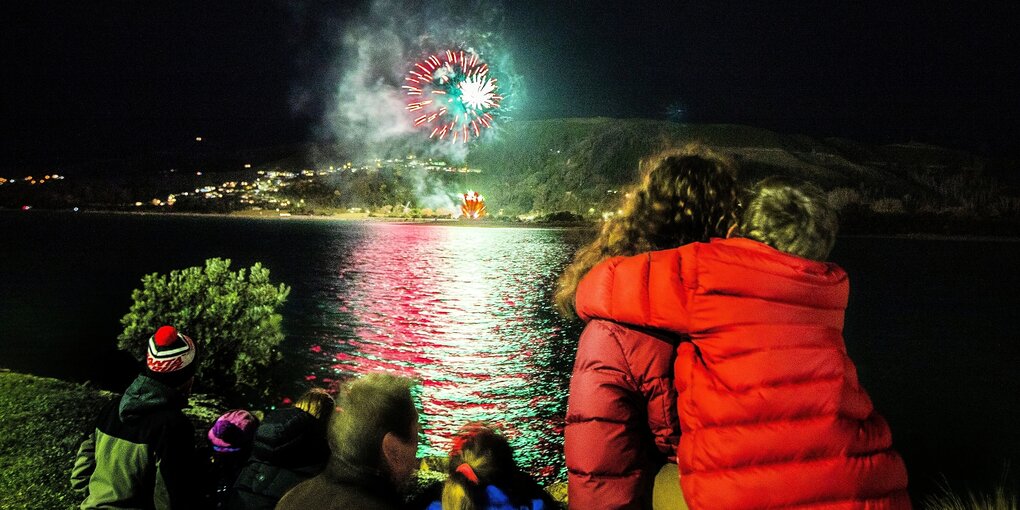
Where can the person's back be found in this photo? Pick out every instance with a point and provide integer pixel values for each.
(142, 452)
(621, 423)
(373, 439)
(289, 447)
(483, 475)
(771, 411)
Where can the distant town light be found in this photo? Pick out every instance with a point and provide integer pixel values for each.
(198, 173)
(247, 165)
(198, 138)
(138, 204)
(75, 209)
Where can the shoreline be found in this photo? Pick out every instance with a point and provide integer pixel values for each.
(344, 218)
(592, 226)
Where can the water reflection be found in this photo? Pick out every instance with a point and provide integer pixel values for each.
(466, 312)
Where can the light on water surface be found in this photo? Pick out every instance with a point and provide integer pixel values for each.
(466, 313)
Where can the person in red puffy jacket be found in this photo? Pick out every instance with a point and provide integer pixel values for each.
(771, 411)
(622, 424)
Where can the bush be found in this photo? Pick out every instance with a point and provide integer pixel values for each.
(561, 217)
(841, 198)
(887, 206)
(232, 318)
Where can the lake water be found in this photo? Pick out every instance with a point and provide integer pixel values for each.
(466, 311)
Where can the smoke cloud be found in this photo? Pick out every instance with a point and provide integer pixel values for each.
(372, 49)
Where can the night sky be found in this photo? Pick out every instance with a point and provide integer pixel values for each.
(87, 80)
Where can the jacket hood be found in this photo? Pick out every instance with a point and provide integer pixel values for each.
(645, 290)
(145, 395)
(291, 437)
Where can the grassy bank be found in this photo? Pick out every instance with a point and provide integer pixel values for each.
(42, 422)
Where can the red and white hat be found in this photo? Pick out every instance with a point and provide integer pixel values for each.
(170, 357)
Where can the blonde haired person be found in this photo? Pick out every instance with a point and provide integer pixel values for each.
(290, 446)
(483, 475)
(316, 402)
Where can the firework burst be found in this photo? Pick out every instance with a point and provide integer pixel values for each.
(452, 95)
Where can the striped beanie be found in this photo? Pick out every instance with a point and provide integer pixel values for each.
(171, 357)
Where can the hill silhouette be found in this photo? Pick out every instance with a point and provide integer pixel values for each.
(532, 165)
(580, 166)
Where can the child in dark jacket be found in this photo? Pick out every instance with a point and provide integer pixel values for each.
(230, 439)
(484, 476)
(290, 447)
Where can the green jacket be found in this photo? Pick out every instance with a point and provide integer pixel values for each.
(141, 454)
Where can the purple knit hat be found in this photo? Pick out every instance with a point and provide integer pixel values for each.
(234, 431)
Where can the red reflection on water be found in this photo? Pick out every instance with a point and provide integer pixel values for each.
(432, 303)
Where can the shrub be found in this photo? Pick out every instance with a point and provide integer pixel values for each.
(561, 216)
(232, 317)
(887, 206)
(840, 198)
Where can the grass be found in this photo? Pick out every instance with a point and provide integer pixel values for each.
(42, 423)
(1000, 499)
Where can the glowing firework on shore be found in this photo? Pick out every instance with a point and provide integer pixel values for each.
(473, 206)
(452, 95)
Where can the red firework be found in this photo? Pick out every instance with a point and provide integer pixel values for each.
(454, 96)
(473, 206)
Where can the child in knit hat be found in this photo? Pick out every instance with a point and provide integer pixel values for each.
(231, 441)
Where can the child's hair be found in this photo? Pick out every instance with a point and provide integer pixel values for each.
(791, 216)
(480, 457)
(685, 195)
(316, 402)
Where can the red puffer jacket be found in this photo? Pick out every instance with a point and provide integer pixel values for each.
(621, 416)
(770, 408)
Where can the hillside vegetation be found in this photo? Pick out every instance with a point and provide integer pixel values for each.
(581, 168)
(533, 165)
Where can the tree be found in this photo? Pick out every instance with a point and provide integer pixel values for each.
(232, 317)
